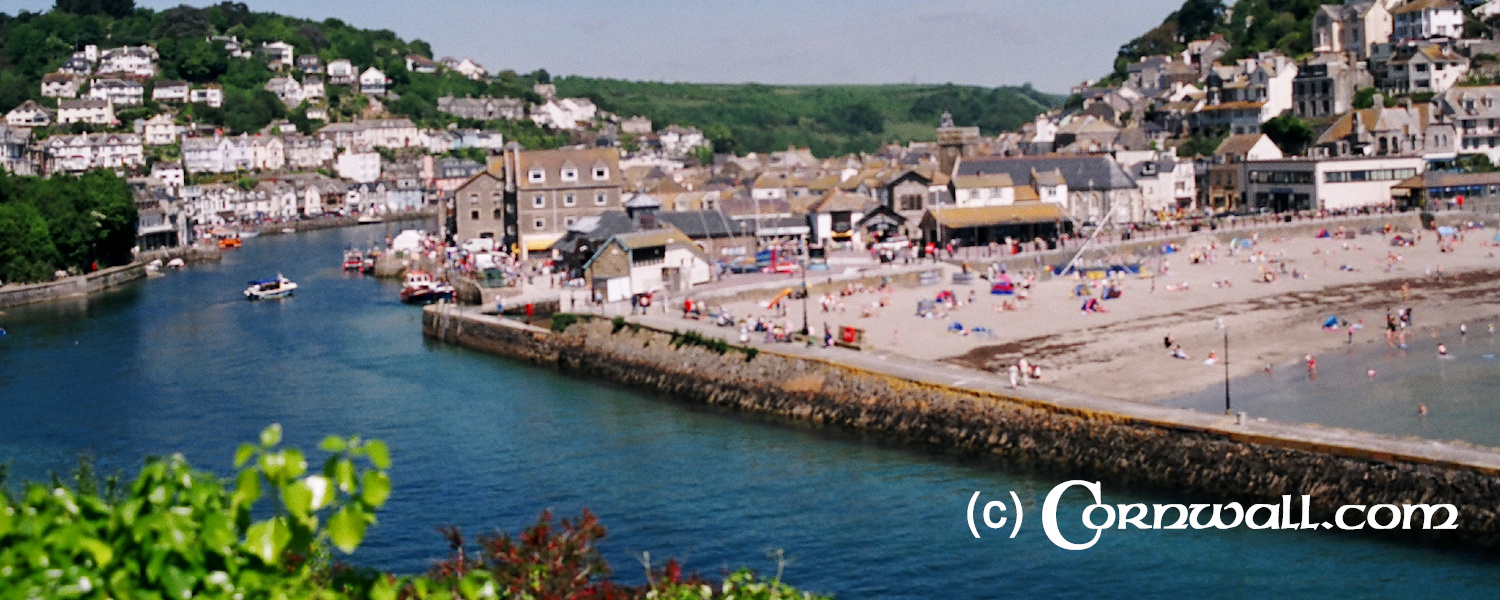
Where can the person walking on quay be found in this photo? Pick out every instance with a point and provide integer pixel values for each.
(1015, 376)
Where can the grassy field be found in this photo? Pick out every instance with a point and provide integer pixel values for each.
(829, 119)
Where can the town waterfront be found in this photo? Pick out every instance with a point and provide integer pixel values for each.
(184, 364)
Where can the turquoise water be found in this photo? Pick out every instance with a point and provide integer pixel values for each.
(1459, 390)
(184, 364)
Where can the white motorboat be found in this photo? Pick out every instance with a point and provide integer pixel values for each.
(267, 289)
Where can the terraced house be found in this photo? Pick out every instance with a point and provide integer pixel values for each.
(556, 188)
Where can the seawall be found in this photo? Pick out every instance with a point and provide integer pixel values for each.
(1248, 464)
(67, 287)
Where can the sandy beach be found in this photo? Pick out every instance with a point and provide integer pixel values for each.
(1120, 353)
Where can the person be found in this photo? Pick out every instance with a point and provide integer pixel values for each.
(1036, 372)
(1167, 341)
(1351, 334)
(1442, 350)
(1312, 365)
(1463, 329)
(1025, 368)
(1213, 358)
(1178, 353)
(1421, 410)
(1015, 376)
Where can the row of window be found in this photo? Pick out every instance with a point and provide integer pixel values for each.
(540, 201)
(569, 174)
(1281, 177)
(538, 223)
(1371, 175)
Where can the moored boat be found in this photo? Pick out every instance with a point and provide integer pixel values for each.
(421, 288)
(266, 289)
(367, 219)
(354, 260)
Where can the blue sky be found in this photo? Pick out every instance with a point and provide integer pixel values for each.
(1052, 44)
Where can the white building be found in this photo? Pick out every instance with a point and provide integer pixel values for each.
(128, 61)
(341, 72)
(279, 55)
(85, 110)
(118, 92)
(60, 85)
(1425, 19)
(565, 114)
(655, 260)
(678, 142)
(363, 167)
(160, 130)
(211, 95)
(389, 133)
(84, 152)
(1325, 184)
(373, 81)
(287, 89)
(29, 114)
(170, 91)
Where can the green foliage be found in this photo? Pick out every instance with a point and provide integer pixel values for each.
(618, 324)
(1255, 26)
(830, 119)
(1289, 133)
(1475, 163)
(83, 220)
(562, 321)
(1199, 146)
(178, 532)
(113, 8)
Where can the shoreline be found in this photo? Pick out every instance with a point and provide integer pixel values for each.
(1115, 440)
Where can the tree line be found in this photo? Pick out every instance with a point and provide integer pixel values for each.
(75, 224)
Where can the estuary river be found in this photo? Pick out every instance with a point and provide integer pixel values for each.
(184, 364)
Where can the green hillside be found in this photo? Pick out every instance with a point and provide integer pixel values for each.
(829, 119)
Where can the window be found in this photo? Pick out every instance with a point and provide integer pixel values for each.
(499, 214)
(569, 200)
(570, 174)
(497, 198)
(538, 201)
(474, 215)
(473, 198)
(568, 222)
(539, 224)
(601, 173)
(538, 175)
(600, 198)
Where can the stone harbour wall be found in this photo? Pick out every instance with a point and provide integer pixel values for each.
(1115, 449)
(68, 287)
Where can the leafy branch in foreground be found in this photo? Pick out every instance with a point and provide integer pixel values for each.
(180, 533)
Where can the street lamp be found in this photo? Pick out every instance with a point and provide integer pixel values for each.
(805, 261)
(1226, 370)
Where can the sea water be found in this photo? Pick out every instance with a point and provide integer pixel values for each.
(184, 364)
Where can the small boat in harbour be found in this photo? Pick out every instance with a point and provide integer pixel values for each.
(267, 289)
(421, 288)
(354, 260)
(368, 219)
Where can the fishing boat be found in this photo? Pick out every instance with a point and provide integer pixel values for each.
(368, 219)
(267, 289)
(368, 266)
(421, 288)
(354, 260)
(230, 242)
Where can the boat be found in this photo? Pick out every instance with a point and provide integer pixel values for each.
(288, 230)
(176, 263)
(421, 288)
(368, 219)
(354, 260)
(368, 266)
(266, 289)
(230, 242)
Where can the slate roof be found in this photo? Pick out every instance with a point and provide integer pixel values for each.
(1083, 173)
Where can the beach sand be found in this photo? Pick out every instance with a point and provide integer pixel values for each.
(1120, 353)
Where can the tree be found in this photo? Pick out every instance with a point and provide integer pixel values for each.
(113, 8)
(26, 250)
(1289, 133)
(1197, 18)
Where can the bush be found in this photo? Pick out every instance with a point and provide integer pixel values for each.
(561, 321)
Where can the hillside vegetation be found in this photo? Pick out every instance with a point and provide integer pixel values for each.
(749, 117)
(1253, 26)
(829, 119)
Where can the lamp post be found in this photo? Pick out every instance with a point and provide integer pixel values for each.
(1226, 370)
(805, 261)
